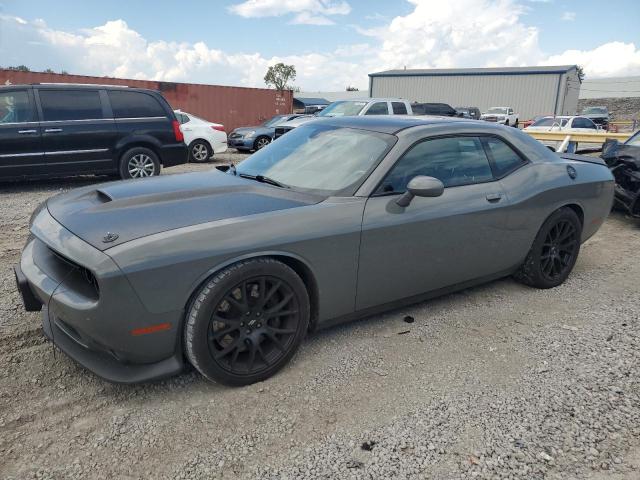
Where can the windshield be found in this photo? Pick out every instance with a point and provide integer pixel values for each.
(340, 109)
(595, 110)
(550, 122)
(497, 110)
(320, 158)
(274, 120)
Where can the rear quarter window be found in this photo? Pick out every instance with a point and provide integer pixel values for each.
(504, 159)
(135, 105)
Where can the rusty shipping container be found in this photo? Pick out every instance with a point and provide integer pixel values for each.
(232, 106)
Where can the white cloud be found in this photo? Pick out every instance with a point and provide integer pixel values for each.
(308, 12)
(436, 34)
(568, 16)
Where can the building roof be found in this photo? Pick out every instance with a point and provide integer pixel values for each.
(424, 72)
(311, 101)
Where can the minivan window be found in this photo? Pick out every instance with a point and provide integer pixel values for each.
(453, 160)
(134, 105)
(15, 107)
(70, 105)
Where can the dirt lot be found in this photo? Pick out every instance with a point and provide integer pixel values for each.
(500, 381)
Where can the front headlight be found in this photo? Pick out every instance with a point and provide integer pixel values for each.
(250, 134)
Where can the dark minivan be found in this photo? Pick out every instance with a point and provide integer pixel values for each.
(68, 129)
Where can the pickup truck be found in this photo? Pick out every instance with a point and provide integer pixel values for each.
(504, 115)
(352, 108)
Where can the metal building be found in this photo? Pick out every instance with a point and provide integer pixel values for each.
(530, 91)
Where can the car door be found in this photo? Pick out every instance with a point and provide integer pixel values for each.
(20, 143)
(78, 132)
(434, 242)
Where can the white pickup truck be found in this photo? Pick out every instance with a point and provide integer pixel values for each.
(504, 115)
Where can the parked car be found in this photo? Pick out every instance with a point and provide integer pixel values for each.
(562, 123)
(441, 109)
(255, 138)
(624, 161)
(336, 220)
(348, 108)
(68, 129)
(503, 115)
(472, 113)
(599, 115)
(203, 138)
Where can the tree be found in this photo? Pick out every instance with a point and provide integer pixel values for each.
(48, 70)
(19, 68)
(279, 75)
(580, 71)
(352, 89)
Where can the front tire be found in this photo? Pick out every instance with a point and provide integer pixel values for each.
(554, 251)
(139, 162)
(261, 142)
(199, 151)
(246, 322)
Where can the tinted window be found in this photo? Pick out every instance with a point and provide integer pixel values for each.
(379, 108)
(399, 108)
(70, 104)
(583, 123)
(134, 105)
(15, 107)
(454, 161)
(505, 160)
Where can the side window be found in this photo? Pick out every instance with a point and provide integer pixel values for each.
(183, 118)
(379, 108)
(70, 105)
(510, 111)
(399, 108)
(454, 161)
(505, 159)
(15, 107)
(134, 105)
(583, 123)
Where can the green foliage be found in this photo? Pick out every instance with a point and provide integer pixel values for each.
(279, 76)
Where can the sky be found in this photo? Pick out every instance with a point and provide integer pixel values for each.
(332, 43)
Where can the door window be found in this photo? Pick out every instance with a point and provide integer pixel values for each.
(453, 160)
(583, 123)
(15, 107)
(505, 159)
(134, 105)
(379, 108)
(70, 105)
(399, 108)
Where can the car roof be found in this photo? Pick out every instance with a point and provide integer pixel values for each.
(75, 86)
(389, 123)
(370, 99)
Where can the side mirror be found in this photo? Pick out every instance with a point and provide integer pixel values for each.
(421, 186)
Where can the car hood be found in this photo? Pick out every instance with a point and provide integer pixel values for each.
(257, 128)
(114, 213)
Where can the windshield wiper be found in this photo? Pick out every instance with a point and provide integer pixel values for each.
(263, 179)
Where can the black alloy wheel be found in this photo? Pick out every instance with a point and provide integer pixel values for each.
(253, 325)
(247, 321)
(554, 251)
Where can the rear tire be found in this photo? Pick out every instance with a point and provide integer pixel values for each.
(554, 251)
(246, 322)
(199, 151)
(516, 124)
(139, 162)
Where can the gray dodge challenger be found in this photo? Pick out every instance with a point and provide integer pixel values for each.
(227, 270)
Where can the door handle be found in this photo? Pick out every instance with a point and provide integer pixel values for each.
(52, 130)
(494, 197)
(24, 132)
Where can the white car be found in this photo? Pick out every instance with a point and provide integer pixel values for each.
(564, 124)
(203, 138)
(504, 115)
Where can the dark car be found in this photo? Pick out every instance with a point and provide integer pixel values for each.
(598, 114)
(624, 161)
(441, 109)
(339, 218)
(245, 139)
(472, 113)
(69, 129)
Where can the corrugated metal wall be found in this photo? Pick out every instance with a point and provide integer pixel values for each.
(231, 106)
(529, 95)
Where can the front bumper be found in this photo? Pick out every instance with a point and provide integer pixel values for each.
(94, 321)
(241, 143)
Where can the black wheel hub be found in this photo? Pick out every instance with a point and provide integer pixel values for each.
(254, 325)
(558, 249)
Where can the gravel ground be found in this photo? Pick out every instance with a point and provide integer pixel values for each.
(500, 381)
